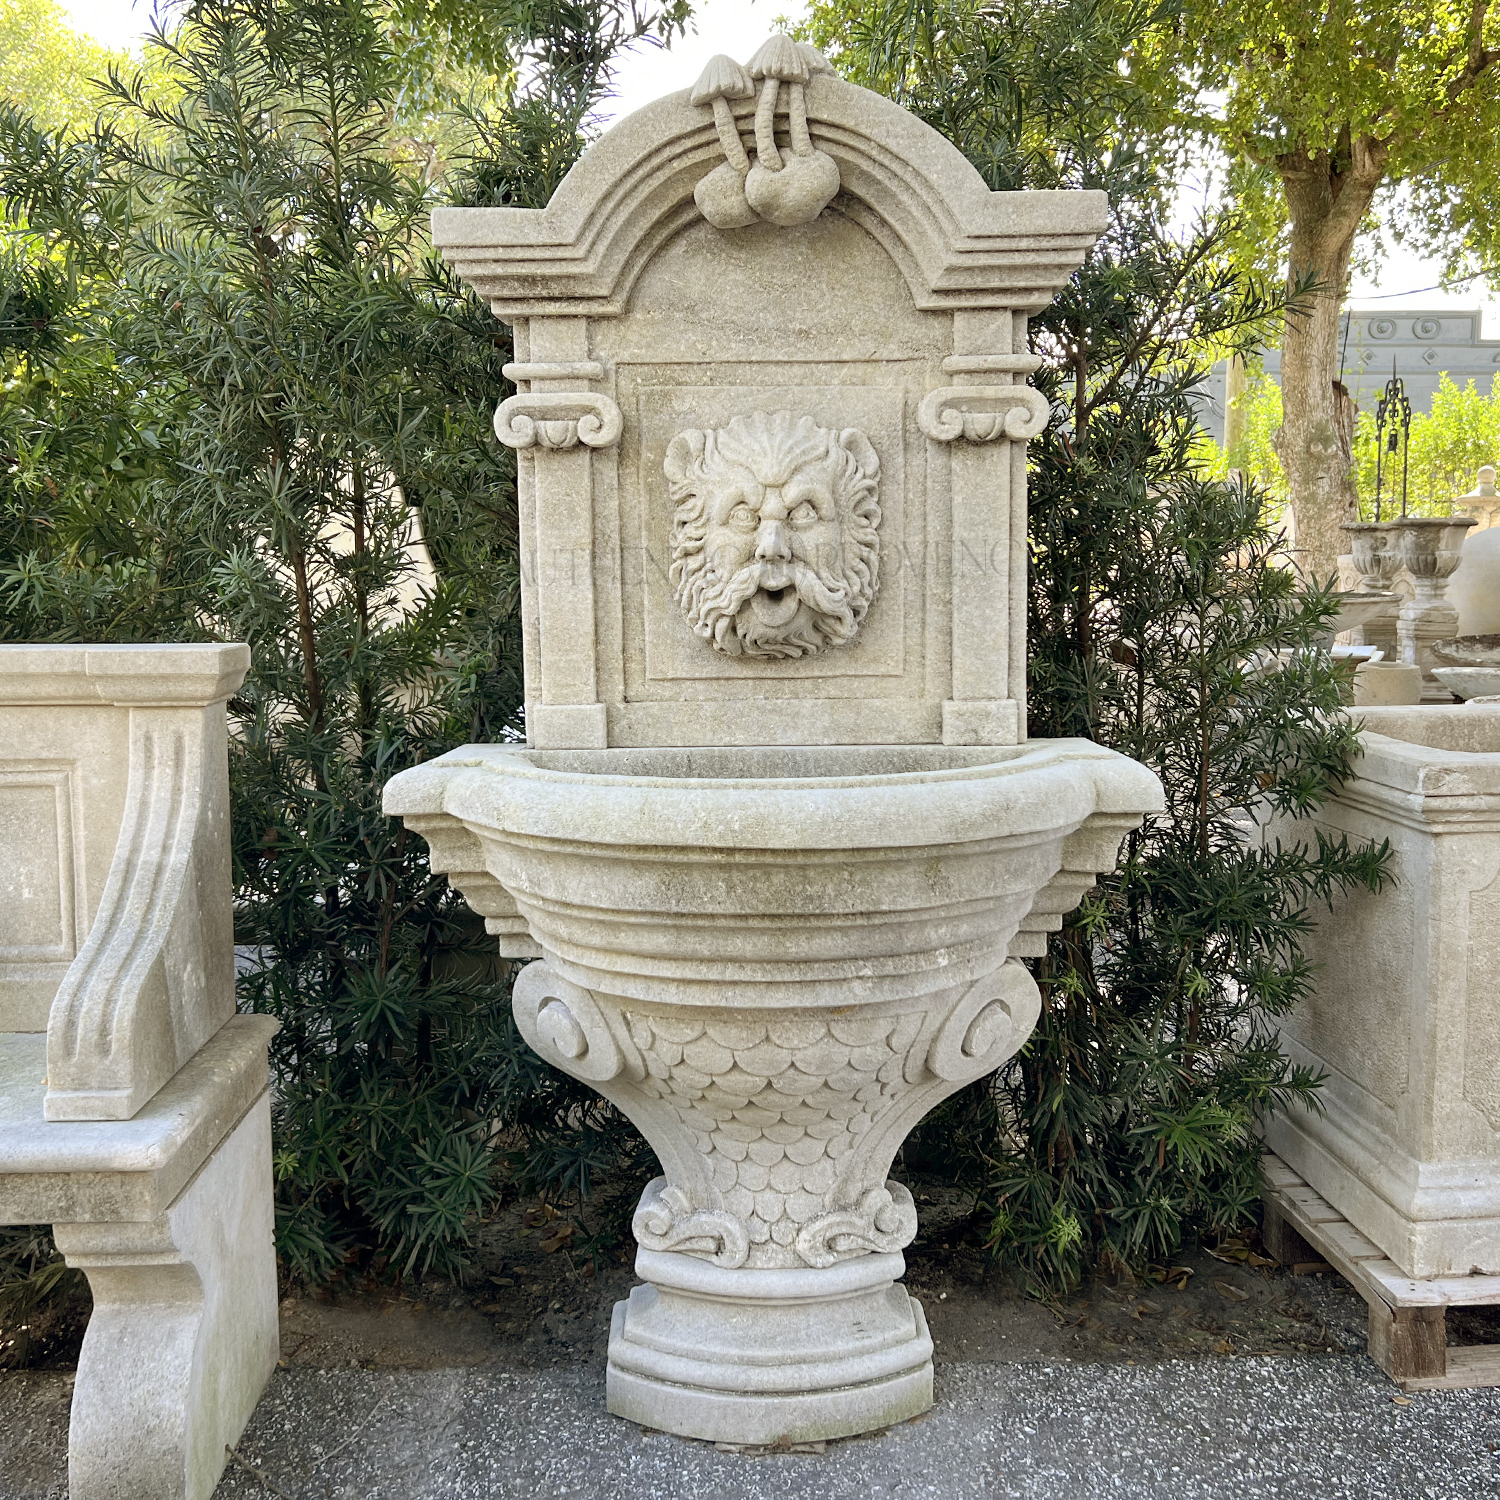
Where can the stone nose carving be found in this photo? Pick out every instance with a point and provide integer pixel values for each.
(771, 543)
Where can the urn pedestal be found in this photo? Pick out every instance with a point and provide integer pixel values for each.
(1430, 548)
(1377, 557)
(775, 971)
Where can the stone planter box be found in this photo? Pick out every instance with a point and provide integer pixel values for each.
(1405, 1018)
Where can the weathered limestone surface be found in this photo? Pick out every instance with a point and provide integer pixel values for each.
(778, 836)
(134, 1114)
(1405, 1018)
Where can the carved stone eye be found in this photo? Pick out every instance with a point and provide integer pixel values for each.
(743, 516)
(804, 514)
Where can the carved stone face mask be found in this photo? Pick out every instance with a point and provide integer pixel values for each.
(774, 544)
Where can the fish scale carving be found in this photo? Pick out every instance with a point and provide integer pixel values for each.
(778, 1106)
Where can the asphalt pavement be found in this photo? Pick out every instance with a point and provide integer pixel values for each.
(1238, 1428)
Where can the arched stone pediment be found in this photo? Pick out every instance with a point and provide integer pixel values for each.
(958, 244)
(771, 401)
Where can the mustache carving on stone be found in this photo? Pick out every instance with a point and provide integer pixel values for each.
(775, 545)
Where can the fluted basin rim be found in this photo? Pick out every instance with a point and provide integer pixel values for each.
(985, 792)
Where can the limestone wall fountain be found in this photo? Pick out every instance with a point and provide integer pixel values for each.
(777, 835)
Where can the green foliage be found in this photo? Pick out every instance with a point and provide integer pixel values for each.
(1448, 443)
(1033, 95)
(45, 66)
(37, 1292)
(1398, 93)
(1165, 620)
(265, 416)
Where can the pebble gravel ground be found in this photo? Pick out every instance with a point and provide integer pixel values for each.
(1290, 1427)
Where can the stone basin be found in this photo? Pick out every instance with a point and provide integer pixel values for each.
(1469, 682)
(1469, 650)
(770, 876)
(775, 961)
(1360, 608)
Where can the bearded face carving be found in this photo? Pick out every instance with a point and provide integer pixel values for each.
(774, 546)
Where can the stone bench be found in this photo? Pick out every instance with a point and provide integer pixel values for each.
(134, 1103)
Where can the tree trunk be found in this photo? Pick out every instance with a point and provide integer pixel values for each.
(1328, 195)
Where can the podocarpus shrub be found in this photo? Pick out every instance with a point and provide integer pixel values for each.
(1166, 620)
(295, 449)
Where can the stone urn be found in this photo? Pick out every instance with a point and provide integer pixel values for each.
(1430, 548)
(1483, 501)
(1377, 559)
(777, 840)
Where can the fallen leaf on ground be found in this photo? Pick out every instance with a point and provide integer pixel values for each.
(1147, 1309)
(1226, 1289)
(1231, 1252)
(1399, 1401)
(558, 1238)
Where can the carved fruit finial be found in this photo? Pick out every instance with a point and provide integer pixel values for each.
(779, 57)
(796, 187)
(722, 78)
(721, 195)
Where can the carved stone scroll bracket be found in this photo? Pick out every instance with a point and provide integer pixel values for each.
(558, 419)
(153, 980)
(982, 413)
(561, 1021)
(987, 1026)
(666, 1220)
(885, 1219)
(572, 1030)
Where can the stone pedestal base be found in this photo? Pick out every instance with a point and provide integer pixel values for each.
(1422, 621)
(760, 1356)
(183, 1335)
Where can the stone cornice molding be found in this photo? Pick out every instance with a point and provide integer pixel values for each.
(958, 244)
(137, 676)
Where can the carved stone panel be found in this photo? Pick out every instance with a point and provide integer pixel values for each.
(1482, 1013)
(42, 901)
(775, 545)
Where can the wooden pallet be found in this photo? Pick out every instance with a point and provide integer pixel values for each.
(1408, 1319)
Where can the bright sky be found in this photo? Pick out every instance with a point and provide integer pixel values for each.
(738, 27)
(116, 23)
